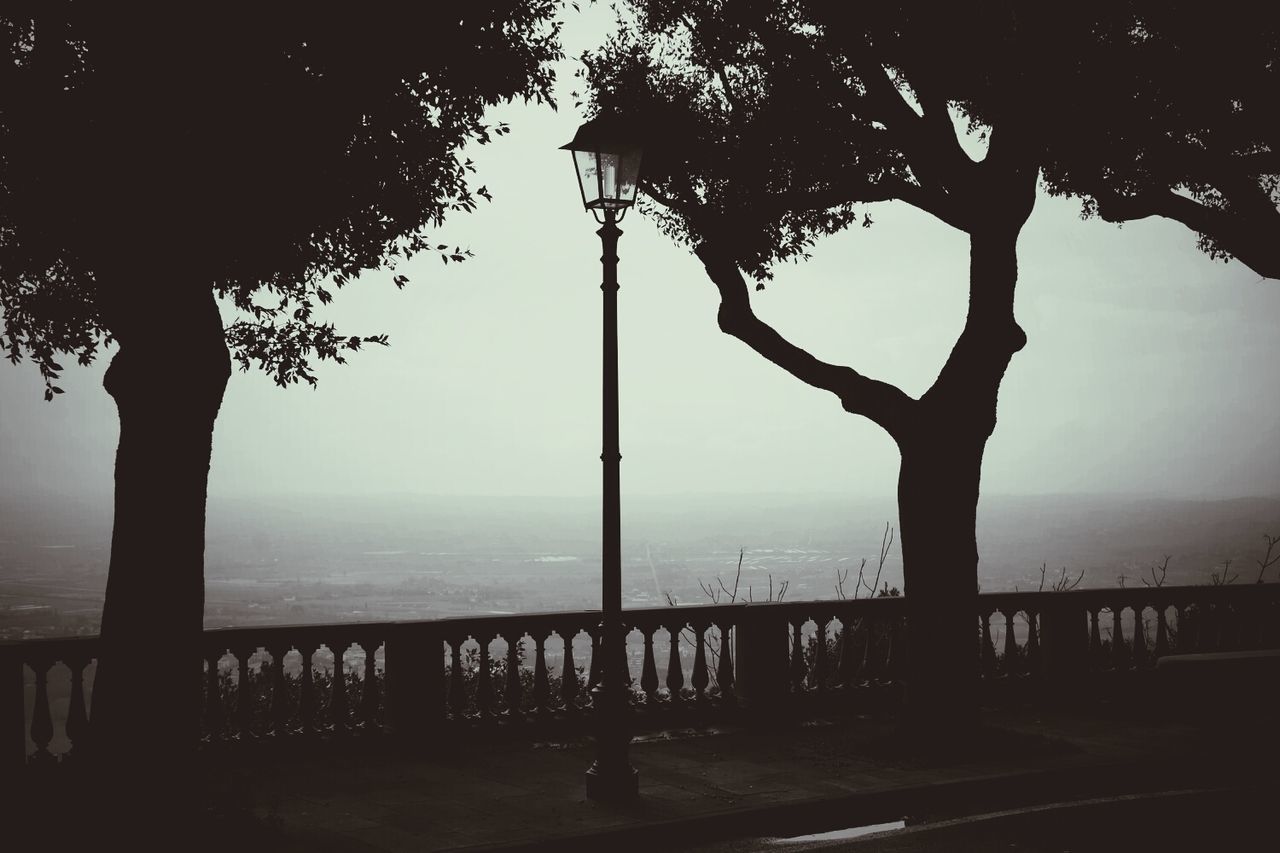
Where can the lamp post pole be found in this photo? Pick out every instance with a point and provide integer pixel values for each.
(611, 776)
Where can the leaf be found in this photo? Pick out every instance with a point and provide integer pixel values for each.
(55, 389)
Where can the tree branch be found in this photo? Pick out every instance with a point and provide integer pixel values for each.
(1254, 241)
(884, 404)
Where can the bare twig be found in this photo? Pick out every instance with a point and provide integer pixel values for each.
(1225, 577)
(1267, 560)
(738, 577)
(885, 542)
(1064, 583)
(840, 579)
(1158, 580)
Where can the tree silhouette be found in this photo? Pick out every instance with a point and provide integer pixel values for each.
(772, 123)
(1173, 115)
(153, 163)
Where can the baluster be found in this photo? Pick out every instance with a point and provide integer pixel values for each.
(244, 696)
(846, 660)
(625, 659)
(569, 672)
(1033, 642)
(894, 650)
(1185, 639)
(1095, 638)
(1268, 630)
(1012, 660)
(988, 648)
(820, 654)
(597, 660)
(41, 721)
(1217, 621)
(798, 667)
(649, 672)
(213, 714)
(279, 691)
(369, 690)
(77, 720)
(1225, 620)
(724, 668)
(701, 678)
(871, 660)
(513, 692)
(1201, 634)
(457, 680)
(307, 690)
(338, 702)
(13, 711)
(484, 684)
(675, 674)
(1139, 637)
(541, 682)
(1119, 649)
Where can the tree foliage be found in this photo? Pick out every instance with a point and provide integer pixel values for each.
(271, 156)
(773, 121)
(1173, 115)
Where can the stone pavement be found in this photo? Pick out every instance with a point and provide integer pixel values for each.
(696, 788)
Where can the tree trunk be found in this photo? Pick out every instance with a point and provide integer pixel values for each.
(938, 489)
(167, 379)
(937, 513)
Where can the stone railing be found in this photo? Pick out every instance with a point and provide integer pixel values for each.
(532, 672)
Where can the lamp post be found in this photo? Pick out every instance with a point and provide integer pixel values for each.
(608, 167)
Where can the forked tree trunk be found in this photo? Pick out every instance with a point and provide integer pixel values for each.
(941, 436)
(167, 379)
(938, 488)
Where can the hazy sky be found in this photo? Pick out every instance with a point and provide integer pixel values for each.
(1149, 368)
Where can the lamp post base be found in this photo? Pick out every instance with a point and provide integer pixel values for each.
(611, 777)
(617, 784)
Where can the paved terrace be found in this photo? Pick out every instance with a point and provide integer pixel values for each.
(699, 787)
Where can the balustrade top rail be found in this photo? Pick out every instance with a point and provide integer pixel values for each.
(460, 627)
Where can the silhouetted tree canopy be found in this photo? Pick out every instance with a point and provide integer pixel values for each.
(774, 120)
(271, 155)
(1173, 114)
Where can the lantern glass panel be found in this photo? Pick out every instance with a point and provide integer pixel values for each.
(608, 179)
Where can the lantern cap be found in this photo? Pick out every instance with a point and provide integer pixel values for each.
(605, 133)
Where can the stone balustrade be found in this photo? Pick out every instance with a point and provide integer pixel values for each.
(533, 672)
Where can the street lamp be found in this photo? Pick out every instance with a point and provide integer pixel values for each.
(608, 166)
